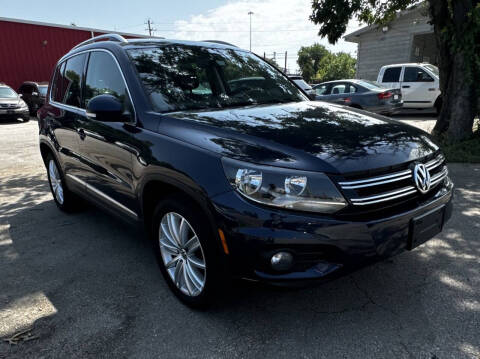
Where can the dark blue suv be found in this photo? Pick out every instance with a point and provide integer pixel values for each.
(231, 168)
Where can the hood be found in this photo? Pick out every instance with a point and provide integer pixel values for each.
(10, 100)
(306, 135)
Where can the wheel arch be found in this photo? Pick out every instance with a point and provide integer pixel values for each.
(155, 188)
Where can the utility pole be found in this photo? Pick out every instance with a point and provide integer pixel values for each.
(149, 28)
(285, 62)
(250, 13)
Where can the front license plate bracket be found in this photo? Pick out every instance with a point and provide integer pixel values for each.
(426, 226)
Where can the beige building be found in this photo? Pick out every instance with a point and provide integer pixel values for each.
(409, 38)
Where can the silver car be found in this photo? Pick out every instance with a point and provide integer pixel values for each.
(11, 105)
(362, 94)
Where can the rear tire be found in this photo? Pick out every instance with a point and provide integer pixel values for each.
(65, 200)
(186, 251)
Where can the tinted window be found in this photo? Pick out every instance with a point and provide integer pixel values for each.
(73, 79)
(321, 90)
(416, 74)
(350, 89)
(57, 83)
(104, 77)
(178, 77)
(392, 74)
(338, 89)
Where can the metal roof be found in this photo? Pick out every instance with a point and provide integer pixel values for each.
(70, 27)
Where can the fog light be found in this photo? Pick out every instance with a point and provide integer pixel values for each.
(282, 261)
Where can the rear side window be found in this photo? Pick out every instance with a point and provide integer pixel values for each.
(416, 74)
(57, 84)
(104, 77)
(73, 79)
(392, 74)
(338, 89)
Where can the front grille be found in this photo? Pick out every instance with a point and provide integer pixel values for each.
(8, 105)
(390, 188)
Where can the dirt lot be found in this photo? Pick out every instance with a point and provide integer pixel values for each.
(87, 285)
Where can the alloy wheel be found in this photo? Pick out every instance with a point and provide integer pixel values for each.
(182, 254)
(55, 181)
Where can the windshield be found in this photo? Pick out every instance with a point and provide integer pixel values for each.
(43, 90)
(433, 69)
(178, 77)
(370, 85)
(7, 92)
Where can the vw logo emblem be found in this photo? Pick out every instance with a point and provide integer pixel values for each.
(421, 176)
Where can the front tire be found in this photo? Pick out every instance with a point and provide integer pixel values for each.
(186, 251)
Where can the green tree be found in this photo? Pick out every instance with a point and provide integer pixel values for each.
(457, 31)
(336, 67)
(309, 59)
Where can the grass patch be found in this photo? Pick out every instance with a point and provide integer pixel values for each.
(466, 151)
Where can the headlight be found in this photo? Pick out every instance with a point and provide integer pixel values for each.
(285, 188)
(23, 104)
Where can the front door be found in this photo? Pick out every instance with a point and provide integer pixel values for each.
(107, 147)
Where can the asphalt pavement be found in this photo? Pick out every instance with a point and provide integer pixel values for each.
(87, 285)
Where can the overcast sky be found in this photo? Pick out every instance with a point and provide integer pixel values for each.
(277, 25)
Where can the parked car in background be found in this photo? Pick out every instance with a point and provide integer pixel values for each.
(11, 105)
(362, 94)
(300, 82)
(33, 93)
(229, 166)
(419, 83)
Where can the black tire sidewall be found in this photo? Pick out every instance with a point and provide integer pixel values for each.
(68, 200)
(199, 223)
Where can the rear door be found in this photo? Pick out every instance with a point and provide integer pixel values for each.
(341, 93)
(107, 147)
(416, 87)
(391, 77)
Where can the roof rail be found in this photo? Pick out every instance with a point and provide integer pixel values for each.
(220, 42)
(111, 37)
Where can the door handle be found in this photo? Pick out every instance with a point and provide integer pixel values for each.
(405, 87)
(81, 133)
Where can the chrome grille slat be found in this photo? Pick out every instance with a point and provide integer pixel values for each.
(407, 188)
(404, 194)
(383, 195)
(375, 179)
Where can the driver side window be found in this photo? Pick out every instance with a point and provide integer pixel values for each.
(104, 78)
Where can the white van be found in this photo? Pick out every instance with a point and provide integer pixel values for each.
(419, 83)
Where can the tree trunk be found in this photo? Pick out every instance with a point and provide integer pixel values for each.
(459, 100)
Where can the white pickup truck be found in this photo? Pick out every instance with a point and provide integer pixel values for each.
(419, 83)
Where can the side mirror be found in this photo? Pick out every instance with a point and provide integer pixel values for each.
(34, 93)
(20, 95)
(105, 108)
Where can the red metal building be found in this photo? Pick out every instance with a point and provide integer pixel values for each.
(29, 49)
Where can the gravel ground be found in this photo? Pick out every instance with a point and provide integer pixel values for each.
(86, 285)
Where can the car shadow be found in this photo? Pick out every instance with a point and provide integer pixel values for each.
(89, 285)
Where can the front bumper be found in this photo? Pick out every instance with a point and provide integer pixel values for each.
(14, 114)
(323, 246)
